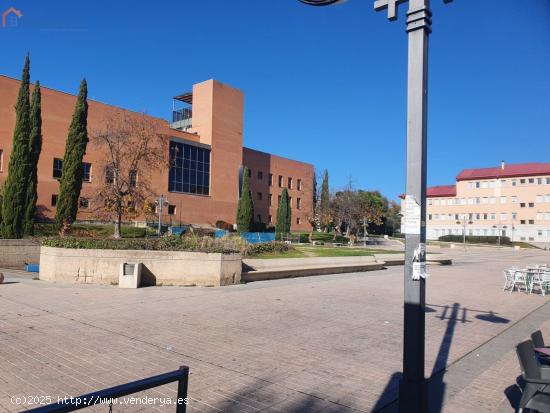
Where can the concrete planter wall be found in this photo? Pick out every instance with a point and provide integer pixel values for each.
(15, 253)
(159, 267)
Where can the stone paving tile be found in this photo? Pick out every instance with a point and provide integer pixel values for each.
(327, 344)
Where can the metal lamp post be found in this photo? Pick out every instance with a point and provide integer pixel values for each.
(499, 228)
(412, 390)
(161, 202)
(464, 221)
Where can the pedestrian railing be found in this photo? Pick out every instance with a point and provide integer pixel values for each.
(107, 396)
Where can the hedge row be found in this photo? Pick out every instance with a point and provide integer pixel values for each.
(476, 239)
(226, 245)
(268, 247)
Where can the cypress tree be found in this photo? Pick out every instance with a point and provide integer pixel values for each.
(324, 208)
(71, 173)
(245, 210)
(15, 190)
(35, 146)
(284, 216)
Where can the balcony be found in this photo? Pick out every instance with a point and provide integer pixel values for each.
(182, 119)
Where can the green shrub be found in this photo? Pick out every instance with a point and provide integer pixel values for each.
(476, 239)
(224, 225)
(268, 247)
(226, 245)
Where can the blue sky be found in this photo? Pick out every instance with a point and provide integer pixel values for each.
(322, 85)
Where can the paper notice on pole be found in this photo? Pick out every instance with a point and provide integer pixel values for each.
(411, 218)
(419, 270)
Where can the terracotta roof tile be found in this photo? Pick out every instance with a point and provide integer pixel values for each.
(522, 169)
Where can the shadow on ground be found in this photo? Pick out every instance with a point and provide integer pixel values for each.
(303, 402)
(436, 386)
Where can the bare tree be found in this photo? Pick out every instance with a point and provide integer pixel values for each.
(134, 149)
(346, 209)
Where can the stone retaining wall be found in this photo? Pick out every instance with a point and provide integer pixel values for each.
(15, 253)
(159, 267)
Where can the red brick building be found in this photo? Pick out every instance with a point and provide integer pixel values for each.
(208, 127)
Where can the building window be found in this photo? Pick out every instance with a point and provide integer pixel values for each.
(259, 218)
(189, 169)
(503, 183)
(531, 222)
(298, 203)
(503, 199)
(279, 200)
(547, 198)
(522, 205)
(171, 210)
(298, 220)
(132, 178)
(250, 173)
(514, 216)
(270, 179)
(522, 181)
(514, 182)
(531, 204)
(503, 216)
(270, 219)
(259, 196)
(522, 221)
(547, 181)
(260, 175)
(86, 172)
(429, 217)
(289, 182)
(514, 200)
(531, 180)
(57, 167)
(539, 181)
(54, 199)
(280, 181)
(84, 203)
(299, 184)
(270, 197)
(1, 160)
(478, 184)
(109, 174)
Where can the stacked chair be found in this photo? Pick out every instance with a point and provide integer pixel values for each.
(535, 370)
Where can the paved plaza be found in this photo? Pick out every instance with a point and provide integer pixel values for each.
(319, 344)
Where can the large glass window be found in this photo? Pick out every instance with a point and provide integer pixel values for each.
(189, 169)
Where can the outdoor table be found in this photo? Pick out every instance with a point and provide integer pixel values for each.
(543, 350)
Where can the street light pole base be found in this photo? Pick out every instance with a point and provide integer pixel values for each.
(413, 396)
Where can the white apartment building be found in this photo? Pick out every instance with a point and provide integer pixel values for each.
(513, 200)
